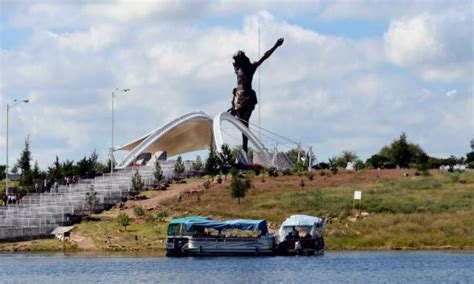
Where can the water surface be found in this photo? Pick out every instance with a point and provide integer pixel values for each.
(354, 267)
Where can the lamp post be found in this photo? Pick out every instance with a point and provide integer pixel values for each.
(10, 105)
(116, 92)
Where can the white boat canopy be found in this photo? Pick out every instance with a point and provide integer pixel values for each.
(308, 223)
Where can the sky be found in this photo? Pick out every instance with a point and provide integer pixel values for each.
(351, 75)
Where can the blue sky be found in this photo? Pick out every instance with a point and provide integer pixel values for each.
(351, 75)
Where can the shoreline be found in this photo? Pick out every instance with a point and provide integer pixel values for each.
(157, 254)
(402, 213)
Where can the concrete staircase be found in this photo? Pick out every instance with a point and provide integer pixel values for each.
(39, 214)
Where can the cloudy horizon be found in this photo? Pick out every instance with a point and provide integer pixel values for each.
(351, 75)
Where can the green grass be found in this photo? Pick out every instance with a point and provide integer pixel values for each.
(414, 212)
(407, 212)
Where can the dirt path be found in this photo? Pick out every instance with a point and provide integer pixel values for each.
(175, 192)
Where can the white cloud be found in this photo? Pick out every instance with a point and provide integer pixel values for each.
(451, 93)
(436, 46)
(330, 91)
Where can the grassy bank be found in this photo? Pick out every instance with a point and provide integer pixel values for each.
(405, 212)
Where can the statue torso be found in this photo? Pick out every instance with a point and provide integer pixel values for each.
(244, 76)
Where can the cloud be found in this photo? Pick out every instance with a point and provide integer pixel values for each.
(333, 92)
(436, 46)
(451, 93)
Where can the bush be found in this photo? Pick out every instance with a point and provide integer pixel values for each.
(287, 172)
(219, 179)
(137, 184)
(302, 183)
(138, 211)
(123, 220)
(179, 167)
(272, 171)
(256, 168)
(206, 184)
(239, 186)
(310, 175)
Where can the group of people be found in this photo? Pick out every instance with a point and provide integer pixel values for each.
(11, 199)
(295, 235)
(53, 185)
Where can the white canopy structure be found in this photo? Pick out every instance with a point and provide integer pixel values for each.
(191, 132)
(308, 223)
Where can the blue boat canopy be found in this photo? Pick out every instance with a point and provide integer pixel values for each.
(241, 224)
(177, 226)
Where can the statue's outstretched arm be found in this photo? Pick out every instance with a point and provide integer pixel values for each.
(269, 52)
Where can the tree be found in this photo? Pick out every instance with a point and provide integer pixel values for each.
(137, 184)
(25, 157)
(67, 168)
(359, 165)
(87, 167)
(37, 173)
(470, 157)
(197, 165)
(212, 167)
(239, 186)
(348, 157)
(158, 172)
(2, 171)
(54, 171)
(225, 160)
(399, 153)
(91, 198)
(123, 220)
(179, 167)
(378, 161)
(23, 163)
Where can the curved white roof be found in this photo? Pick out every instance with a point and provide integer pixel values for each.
(191, 132)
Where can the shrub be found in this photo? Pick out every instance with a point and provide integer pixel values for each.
(310, 175)
(272, 171)
(302, 183)
(137, 184)
(123, 220)
(162, 215)
(219, 179)
(287, 172)
(179, 167)
(256, 168)
(91, 198)
(197, 165)
(158, 172)
(138, 211)
(206, 184)
(239, 186)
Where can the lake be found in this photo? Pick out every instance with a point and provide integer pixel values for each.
(353, 267)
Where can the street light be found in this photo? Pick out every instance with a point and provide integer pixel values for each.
(116, 92)
(10, 105)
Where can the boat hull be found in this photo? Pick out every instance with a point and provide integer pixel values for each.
(230, 246)
(301, 247)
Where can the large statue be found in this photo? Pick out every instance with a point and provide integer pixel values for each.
(245, 99)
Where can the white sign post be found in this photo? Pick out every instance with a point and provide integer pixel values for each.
(357, 196)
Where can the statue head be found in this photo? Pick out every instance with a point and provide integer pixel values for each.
(240, 59)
